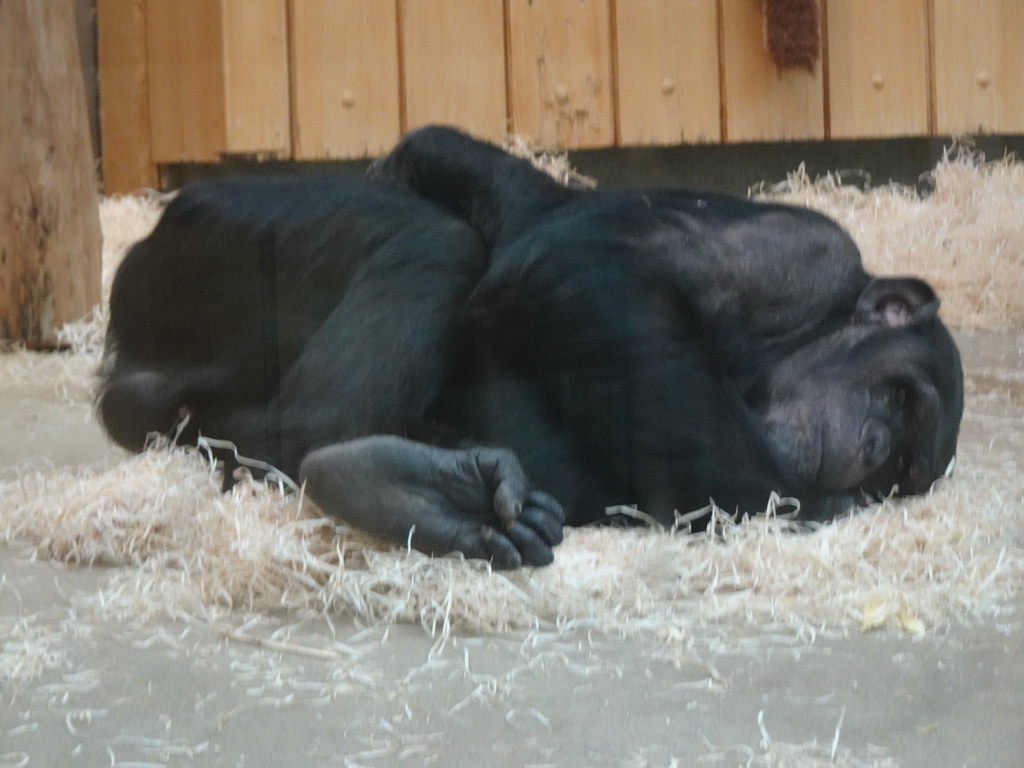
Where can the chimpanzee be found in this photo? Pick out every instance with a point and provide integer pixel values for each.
(457, 350)
(317, 318)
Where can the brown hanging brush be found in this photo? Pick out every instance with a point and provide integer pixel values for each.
(792, 33)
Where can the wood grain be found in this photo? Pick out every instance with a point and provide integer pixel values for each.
(979, 66)
(560, 72)
(124, 96)
(454, 65)
(257, 119)
(344, 78)
(667, 65)
(878, 68)
(184, 57)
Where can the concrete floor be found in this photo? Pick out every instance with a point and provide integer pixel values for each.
(334, 694)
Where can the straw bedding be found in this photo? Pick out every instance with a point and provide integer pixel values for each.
(965, 237)
(183, 549)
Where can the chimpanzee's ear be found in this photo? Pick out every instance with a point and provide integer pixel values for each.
(896, 301)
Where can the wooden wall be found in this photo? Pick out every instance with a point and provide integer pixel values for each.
(198, 80)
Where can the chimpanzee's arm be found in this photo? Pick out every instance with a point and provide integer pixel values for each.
(370, 373)
(380, 357)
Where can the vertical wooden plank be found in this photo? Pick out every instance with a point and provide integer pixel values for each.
(560, 72)
(878, 68)
(667, 58)
(49, 207)
(454, 65)
(185, 56)
(344, 68)
(124, 96)
(760, 103)
(979, 65)
(256, 77)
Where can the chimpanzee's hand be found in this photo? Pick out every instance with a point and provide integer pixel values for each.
(477, 500)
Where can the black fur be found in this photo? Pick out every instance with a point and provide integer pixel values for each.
(460, 348)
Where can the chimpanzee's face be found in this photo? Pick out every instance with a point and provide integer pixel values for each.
(874, 407)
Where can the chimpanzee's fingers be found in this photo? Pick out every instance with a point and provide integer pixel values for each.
(543, 523)
(501, 469)
(532, 547)
(548, 503)
(504, 555)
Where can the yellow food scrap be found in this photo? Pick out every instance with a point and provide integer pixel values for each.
(911, 624)
(876, 612)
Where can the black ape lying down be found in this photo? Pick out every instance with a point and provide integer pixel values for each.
(458, 349)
